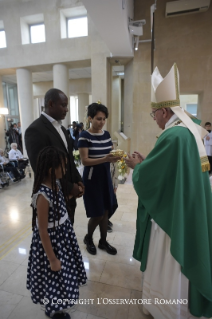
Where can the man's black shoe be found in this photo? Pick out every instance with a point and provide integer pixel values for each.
(91, 248)
(109, 249)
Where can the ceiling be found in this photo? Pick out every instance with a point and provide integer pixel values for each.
(48, 75)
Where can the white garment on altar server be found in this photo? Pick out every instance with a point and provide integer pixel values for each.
(163, 280)
(208, 144)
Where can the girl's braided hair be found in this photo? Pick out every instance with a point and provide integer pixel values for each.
(50, 157)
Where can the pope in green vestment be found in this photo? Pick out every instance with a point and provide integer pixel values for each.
(176, 194)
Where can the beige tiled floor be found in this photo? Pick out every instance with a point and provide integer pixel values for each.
(115, 277)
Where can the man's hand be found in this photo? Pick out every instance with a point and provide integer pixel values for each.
(76, 190)
(82, 189)
(132, 161)
(207, 138)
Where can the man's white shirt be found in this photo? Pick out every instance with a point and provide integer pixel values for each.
(57, 125)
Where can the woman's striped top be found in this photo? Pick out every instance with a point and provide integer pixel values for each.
(98, 144)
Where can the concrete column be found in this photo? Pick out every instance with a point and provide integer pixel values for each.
(100, 75)
(2, 119)
(25, 98)
(60, 81)
(83, 101)
(115, 113)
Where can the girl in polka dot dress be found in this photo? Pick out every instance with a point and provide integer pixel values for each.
(55, 267)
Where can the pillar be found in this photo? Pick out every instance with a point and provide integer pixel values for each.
(2, 118)
(100, 75)
(60, 81)
(83, 101)
(25, 98)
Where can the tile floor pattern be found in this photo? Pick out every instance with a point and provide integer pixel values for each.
(114, 277)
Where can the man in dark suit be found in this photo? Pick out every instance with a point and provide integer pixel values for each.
(47, 130)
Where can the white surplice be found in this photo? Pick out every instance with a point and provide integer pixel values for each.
(163, 280)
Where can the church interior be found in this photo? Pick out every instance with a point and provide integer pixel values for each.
(108, 56)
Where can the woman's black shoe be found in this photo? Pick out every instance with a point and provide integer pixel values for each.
(91, 248)
(109, 249)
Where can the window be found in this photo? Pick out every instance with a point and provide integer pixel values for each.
(11, 102)
(77, 27)
(32, 29)
(37, 33)
(2, 39)
(189, 102)
(192, 109)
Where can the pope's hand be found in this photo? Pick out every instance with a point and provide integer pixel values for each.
(140, 156)
(132, 161)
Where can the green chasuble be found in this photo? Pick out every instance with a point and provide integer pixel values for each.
(176, 194)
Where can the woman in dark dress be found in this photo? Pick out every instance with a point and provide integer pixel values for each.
(94, 146)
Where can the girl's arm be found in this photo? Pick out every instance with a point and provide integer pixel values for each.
(86, 161)
(42, 212)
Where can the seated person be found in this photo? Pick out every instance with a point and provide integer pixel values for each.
(9, 167)
(16, 156)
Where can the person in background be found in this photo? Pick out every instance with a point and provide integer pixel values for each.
(14, 136)
(77, 131)
(82, 126)
(20, 134)
(19, 128)
(14, 153)
(208, 144)
(17, 158)
(72, 128)
(7, 166)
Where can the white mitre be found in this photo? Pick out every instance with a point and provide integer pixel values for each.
(164, 94)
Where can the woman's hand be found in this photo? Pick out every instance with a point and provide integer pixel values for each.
(111, 158)
(133, 160)
(55, 265)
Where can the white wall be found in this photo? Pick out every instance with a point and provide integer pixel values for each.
(54, 50)
(75, 86)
